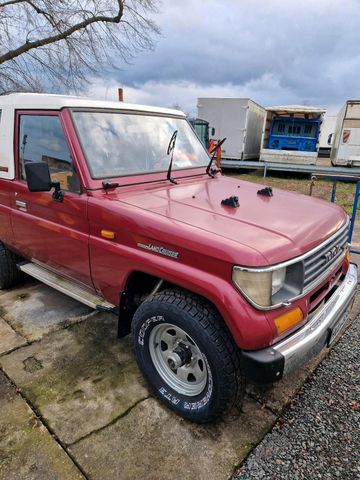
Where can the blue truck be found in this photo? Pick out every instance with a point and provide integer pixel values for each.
(291, 134)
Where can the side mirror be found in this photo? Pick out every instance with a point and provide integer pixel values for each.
(38, 180)
(212, 131)
(38, 177)
(330, 139)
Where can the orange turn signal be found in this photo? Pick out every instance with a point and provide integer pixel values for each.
(347, 256)
(107, 234)
(288, 320)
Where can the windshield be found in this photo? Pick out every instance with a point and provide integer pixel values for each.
(117, 144)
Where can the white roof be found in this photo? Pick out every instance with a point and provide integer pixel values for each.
(296, 109)
(56, 102)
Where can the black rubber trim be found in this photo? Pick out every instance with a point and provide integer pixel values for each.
(100, 308)
(262, 366)
(125, 315)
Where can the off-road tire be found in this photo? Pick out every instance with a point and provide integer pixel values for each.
(10, 275)
(225, 382)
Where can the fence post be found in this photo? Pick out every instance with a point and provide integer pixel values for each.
(355, 206)
(333, 192)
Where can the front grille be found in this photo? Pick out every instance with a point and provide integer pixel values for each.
(319, 262)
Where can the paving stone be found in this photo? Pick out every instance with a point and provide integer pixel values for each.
(153, 443)
(27, 450)
(80, 378)
(9, 339)
(34, 309)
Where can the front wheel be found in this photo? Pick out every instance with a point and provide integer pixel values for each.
(187, 355)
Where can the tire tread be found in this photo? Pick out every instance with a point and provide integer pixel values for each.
(210, 321)
(10, 275)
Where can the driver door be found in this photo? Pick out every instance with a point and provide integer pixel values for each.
(53, 234)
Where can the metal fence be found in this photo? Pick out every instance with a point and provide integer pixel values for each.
(342, 178)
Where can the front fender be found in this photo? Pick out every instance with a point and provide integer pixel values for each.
(112, 263)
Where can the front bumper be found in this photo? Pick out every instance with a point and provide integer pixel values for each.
(271, 364)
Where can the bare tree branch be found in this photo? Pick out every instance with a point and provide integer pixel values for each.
(11, 2)
(62, 35)
(55, 45)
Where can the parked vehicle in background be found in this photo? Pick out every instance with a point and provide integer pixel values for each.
(326, 135)
(346, 138)
(218, 280)
(239, 120)
(201, 128)
(291, 134)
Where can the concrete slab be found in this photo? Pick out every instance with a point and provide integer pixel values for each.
(151, 442)
(34, 309)
(27, 450)
(9, 339)
(80, 378)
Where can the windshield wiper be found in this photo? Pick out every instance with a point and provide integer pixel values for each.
(170, 150)
(213, 152)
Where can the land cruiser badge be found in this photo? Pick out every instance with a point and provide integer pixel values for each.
(157, 249)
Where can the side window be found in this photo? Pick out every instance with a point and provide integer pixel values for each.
(294, 129)
(310, 130)
(42, 139)
(281, 128)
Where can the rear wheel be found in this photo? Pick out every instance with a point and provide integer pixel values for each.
(187, 355)
(10, 275)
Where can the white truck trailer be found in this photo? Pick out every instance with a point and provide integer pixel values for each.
(240, 120)
(346, 138)
(326, 135)
(291, 134)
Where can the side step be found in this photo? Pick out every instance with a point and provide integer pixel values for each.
(66, 286)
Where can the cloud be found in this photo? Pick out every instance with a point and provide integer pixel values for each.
(185, 93)
(274, 52)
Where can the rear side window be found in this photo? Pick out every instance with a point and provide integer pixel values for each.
(42, 139)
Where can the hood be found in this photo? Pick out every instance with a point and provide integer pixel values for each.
(278, 228)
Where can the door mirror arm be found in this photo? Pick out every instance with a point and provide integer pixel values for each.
(58, 194)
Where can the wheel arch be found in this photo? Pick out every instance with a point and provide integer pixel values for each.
(138, 286)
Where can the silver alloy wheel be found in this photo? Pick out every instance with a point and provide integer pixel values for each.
(177, 359)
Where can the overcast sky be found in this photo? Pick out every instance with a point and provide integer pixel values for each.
(275, 52)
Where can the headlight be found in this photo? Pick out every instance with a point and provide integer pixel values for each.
(269, 287)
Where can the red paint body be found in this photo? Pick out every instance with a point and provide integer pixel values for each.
(187, 218)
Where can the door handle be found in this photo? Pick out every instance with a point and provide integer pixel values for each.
(21, 204)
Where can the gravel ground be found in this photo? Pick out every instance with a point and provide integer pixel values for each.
(318, 436)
